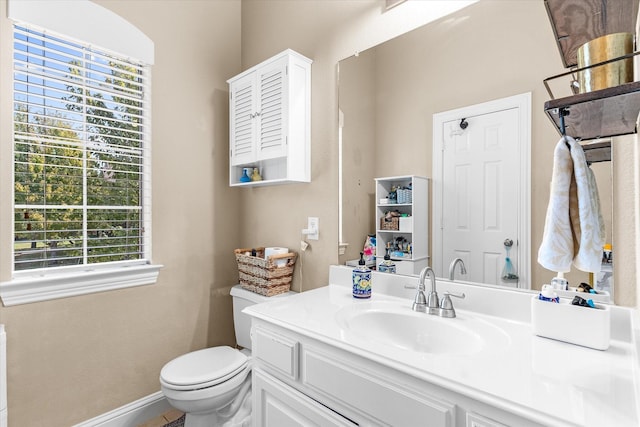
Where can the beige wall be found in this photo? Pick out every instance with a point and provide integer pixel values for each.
(325, 31)
(358, 99)
(490, 50)
(481, 53)
(72, 359)
(414, 80)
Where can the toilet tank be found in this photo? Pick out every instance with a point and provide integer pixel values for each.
(242, 323)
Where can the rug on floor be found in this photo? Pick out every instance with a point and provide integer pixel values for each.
(176, 423)
(172, 418)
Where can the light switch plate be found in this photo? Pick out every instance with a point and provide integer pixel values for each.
(313, 224)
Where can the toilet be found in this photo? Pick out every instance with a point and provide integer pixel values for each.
(213, 386)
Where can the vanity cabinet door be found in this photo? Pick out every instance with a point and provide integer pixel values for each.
(278, 405)
(475, 420)
(375, 398)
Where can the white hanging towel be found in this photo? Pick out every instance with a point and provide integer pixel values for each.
(592, 235)
(574, 230)
(556, 250)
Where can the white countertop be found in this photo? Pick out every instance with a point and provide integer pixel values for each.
(547, 381)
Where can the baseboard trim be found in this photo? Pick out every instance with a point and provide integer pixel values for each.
(131, 414)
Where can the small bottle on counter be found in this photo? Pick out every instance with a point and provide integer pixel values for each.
(387, 265)
(361, 278)
(559, 282)
(548, 294)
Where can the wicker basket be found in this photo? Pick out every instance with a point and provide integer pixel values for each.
(264, 276)
(392, 224)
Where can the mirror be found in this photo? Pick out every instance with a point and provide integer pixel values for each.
(388, 95)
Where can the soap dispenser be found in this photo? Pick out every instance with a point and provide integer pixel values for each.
(361, 278)
(387, 266)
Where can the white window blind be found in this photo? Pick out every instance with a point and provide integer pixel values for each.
(81, 161)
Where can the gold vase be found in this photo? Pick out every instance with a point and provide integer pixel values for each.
(602, 49)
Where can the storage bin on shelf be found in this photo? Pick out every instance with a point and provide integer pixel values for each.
(404, 196)
(406, 224)
(264, 276)
(390, 224)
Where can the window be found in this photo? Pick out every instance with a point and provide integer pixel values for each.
(79, 148)
(81, 127)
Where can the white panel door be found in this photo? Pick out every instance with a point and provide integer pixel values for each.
(481, 182)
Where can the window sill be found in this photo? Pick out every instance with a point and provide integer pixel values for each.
(30, 289)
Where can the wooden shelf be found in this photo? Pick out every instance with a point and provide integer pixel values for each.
(602, 113)
(598, 151)
(598, 114)
(576, 22)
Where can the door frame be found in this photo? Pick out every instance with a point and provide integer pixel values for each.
(522, 103)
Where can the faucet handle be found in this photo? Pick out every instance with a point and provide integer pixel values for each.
(420, 300)
(446, 306)
(461, 296)
(445, 302)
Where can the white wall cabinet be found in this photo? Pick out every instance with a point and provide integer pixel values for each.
(270, 121)
(412, 229)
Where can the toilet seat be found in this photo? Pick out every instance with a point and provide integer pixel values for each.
(203, 368)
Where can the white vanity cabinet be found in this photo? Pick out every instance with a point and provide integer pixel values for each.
(270, 115)
(413, 228)
(299, 381)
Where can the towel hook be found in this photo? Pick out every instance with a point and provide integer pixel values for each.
(463, 124)
(562, 112)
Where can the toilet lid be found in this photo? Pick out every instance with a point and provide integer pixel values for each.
(203, 368)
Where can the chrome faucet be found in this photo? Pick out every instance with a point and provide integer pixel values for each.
(432, 304)
(428, 304)
(452, 268)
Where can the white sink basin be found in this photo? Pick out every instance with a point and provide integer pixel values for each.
(395, 324)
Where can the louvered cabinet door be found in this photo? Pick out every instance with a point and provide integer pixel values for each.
(272, 111)
(243, 120)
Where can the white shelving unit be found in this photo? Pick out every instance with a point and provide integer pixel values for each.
(413, 228)
(270, 121)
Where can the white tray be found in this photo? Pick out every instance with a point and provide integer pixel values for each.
(585, 326)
